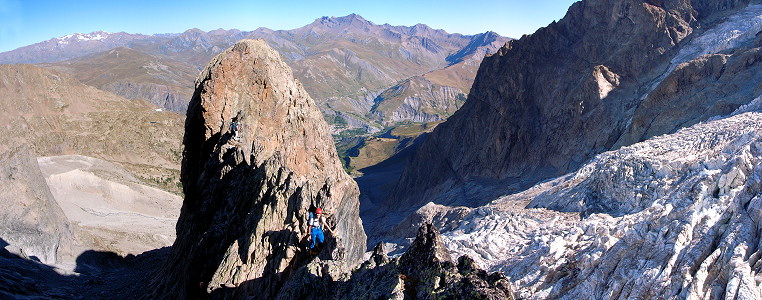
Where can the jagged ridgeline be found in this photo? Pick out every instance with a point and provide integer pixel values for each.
(243, 221)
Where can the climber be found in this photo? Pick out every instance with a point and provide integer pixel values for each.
(234, 128)
(317, 223)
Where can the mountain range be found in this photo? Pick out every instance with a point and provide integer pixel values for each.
(355, 69)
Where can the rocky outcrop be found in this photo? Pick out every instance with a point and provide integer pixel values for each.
(31, 221)
(425, 271)
(609, 74)
(242, 227)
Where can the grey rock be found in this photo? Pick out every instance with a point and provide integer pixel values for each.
(31, 221)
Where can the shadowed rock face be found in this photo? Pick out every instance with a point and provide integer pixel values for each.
(246, 203)
(31, 220)
(609, 74)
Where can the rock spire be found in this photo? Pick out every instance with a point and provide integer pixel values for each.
(243, 220)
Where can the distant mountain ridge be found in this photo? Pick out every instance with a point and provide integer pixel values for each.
(343, 62)
(133, 74)
(68, 47)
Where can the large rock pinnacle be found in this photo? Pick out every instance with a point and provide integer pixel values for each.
(243, 221)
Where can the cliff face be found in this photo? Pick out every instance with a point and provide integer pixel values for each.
(244, 214)
(609, 74)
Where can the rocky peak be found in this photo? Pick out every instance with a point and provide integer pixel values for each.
(427, 248)
(242, 228)
(194, 32)
(348, 20)
(224, 32)
(379, 256)
(422, 30)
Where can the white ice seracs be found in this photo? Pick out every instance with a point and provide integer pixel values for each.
(693, 233)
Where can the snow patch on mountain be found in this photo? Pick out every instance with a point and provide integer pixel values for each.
(82, 37)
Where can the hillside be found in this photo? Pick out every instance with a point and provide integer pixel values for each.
(56, 114)
(134, 75)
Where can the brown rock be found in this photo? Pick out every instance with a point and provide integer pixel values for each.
(246, 203)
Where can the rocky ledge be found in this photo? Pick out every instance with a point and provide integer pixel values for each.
(425, 271)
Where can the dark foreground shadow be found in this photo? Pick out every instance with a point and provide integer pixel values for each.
(271, 284)
(376, 184)
(98, 275)
(377, 283)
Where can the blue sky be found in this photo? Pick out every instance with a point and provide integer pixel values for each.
(25, 22)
